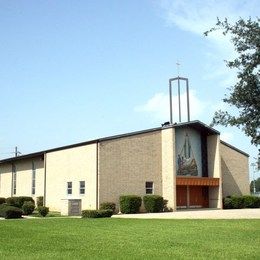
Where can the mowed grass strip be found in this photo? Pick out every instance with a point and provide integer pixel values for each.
(129, 239)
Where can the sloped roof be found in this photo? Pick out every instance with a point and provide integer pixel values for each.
(198, 125)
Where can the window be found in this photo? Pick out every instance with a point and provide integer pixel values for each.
(82, 187)
(14, 180)
(149, 187)
(69, 188)
(33, 178)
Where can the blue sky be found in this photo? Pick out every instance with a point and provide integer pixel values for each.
(73, 71)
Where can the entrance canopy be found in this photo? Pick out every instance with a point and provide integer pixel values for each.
(197, 181)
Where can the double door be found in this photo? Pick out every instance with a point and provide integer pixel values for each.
(192, 197)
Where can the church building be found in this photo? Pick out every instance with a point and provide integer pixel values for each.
(186, 163)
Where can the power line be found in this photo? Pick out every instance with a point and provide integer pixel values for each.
(16, 152)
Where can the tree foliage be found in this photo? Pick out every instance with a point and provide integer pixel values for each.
(245, 93)
(257, 185)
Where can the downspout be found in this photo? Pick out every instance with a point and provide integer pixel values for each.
(97, 169)
(44, 191)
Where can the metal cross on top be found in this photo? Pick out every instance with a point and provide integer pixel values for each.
(178, 68)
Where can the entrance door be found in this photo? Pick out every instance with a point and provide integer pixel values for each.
(182, 196)
(196, 196)
(205, 195)
(74, 207)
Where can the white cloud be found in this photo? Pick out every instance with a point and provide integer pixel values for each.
(198, 16)
(157, 107)
(226, 136)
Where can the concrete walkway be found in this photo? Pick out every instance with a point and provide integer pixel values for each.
(184, 214)
(198, 214)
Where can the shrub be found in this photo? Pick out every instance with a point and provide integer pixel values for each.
(23, 199)
(130, 204)
(153, 203)
(18, 201)
(257, 202)
(237, 202)
(39, 201)
(2, 200)
(165, 207)
(227, 203)
(251, 201)
(7, 211)
(43, 211)
(12, 201)
(28, 207)
(104, 213)
(108, 205)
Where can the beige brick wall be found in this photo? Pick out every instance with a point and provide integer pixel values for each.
(125, 164)
(169, 167)
(214, 170)
(75, 165)
(234, 166)
(23, 178)
(5, 180)
(39, 181)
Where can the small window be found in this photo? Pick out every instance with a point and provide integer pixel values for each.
(69, 188)
(82, 187)
(149, 187)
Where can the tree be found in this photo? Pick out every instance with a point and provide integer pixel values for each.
(245, 94)
(257, 185)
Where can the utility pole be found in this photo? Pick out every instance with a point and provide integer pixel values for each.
(16, 152)
(258, 163)
(254, 165)
(254, 181)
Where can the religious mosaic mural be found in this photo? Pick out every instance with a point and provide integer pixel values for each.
(188, 152)
(186, 161)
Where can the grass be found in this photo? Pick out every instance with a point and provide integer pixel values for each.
(129, 239)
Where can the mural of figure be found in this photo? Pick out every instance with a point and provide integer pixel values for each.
(180, 161)
(186, 161)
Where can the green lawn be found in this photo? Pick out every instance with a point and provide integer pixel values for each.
(67, 238)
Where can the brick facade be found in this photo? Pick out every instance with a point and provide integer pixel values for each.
(125, 164)
(234, 167)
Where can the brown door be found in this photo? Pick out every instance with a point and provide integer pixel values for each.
(196, 196)
(181, 196)
(205, 194)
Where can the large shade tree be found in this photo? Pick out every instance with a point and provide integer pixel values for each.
(244, 95)
(256, 184)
